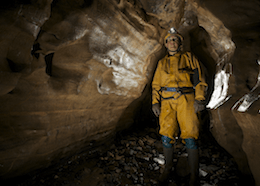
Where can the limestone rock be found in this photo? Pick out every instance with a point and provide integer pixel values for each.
(73, 73)
(92, 63)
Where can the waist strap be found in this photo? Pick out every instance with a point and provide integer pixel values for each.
(180, 90)
(169, 89)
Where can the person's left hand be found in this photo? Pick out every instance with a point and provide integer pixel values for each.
(199, 106)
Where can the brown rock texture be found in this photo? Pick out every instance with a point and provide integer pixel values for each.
(89, 63)
(73, 73)
(235, 123)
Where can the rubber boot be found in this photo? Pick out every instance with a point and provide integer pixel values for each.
(193, 158)
(168, 153)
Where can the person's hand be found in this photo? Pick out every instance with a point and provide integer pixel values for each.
(156, 109)
(199, 106)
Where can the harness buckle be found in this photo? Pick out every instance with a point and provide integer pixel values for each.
(177, 92)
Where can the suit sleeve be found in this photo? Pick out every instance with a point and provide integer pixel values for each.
(198, 79)
(156, 84)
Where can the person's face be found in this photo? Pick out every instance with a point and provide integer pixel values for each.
(172, 43)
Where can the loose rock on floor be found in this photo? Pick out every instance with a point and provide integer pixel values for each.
(137, 159)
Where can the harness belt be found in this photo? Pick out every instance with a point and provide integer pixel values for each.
(178, 90)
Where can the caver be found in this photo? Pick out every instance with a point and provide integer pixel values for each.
(178, 94)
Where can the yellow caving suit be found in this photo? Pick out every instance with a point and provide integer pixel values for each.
(180, 70)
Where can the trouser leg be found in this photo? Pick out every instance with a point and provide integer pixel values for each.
(193, 159)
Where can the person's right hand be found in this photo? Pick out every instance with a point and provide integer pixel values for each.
(156, 109)
(199, 106)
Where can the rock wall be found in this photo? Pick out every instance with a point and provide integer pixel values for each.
(235, 122)
(73, 73)
(71, 80)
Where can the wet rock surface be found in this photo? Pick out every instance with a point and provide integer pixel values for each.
(136, 158)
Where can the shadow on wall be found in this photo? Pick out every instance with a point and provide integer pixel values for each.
(199, 46)
(13, 3)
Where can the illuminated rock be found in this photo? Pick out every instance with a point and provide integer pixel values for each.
(92, 62)
(73, 73)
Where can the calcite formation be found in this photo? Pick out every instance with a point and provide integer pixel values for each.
(73, 73)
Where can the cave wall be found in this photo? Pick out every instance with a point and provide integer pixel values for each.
(76, 72)
(238, 116)
(71, 80)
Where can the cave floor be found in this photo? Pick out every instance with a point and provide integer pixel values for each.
(136, 158)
